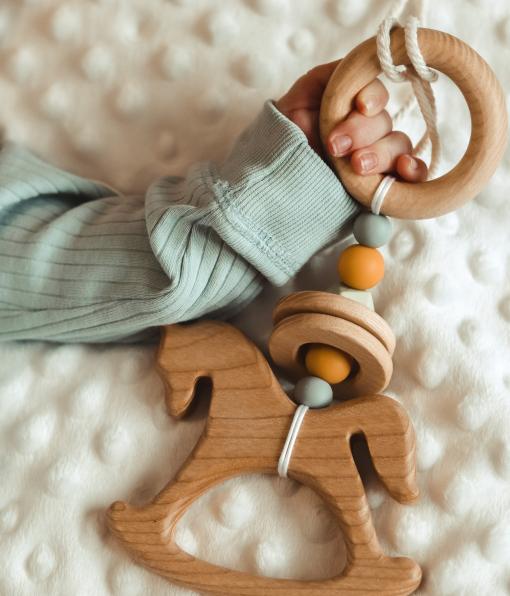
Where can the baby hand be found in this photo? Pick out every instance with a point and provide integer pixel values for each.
(365, 135)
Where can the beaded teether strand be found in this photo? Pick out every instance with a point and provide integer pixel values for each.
(361, 266)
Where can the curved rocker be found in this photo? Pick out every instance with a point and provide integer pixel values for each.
(247, 426)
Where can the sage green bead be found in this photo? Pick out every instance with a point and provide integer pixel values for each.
(313, 392)
(372, 230)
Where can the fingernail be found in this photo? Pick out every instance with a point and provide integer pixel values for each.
(341, 144)
(368, 161)
(370, 103)
(412, 164)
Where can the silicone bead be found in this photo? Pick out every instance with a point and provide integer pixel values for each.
(328, 363)
(313, 392)
(360, 267)
(361, 296)
(372, 230)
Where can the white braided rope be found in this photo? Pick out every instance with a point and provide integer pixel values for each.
(420, 77)
(394, 73)
(427, 104)
(413, 51)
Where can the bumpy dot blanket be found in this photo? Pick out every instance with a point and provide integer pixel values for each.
(127, 91)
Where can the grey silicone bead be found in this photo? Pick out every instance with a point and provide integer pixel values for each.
(313, 392)
(372, 230)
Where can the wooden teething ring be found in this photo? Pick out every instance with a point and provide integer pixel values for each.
(487, 109)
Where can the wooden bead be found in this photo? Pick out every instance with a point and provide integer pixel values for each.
(361, 296)
(313, 392)
(294, 334)
(328, 363)
(372, 230)
(361, 267)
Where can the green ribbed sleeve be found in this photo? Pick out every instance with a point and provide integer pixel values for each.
(80, 264)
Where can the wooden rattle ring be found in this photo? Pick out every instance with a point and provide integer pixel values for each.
(374, 361)
(326, 303)
(487, 108)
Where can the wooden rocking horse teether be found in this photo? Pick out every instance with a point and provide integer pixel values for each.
(330, 344)
(248, 422)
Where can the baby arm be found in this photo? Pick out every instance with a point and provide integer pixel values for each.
(78, 264)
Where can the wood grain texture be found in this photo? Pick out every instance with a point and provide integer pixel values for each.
(249, 419)
(320, 317)
(338, 306)
(489, 123)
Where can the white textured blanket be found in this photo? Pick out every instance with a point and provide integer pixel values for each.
(125, 91)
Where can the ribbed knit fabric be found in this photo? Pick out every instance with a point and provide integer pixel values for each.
(78, 264)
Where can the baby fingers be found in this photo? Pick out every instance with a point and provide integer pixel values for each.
(357, 131)
(389, 154)
(411, 168)
(372, 99)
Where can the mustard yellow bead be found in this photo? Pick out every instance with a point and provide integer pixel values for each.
(328, 363)
(360, 267)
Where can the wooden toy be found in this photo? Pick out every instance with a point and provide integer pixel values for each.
(318, 338)
(487, 108)
(248, 422)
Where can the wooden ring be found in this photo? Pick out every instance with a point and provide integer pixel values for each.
(487, 108)
(337, 306)
(373, 359)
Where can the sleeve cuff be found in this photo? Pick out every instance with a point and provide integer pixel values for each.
(277, 201)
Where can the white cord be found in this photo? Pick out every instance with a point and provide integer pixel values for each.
(297, 421)
(380, 194)
(420, 80)
(413, 51)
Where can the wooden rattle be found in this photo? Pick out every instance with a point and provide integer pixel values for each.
(319, 339)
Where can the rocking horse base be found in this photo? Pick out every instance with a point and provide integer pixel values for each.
(383, 576)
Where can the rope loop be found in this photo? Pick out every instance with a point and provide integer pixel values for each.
(397, 74)
(413, 51)
(420, 76)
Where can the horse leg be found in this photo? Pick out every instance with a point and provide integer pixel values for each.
(323, 460)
